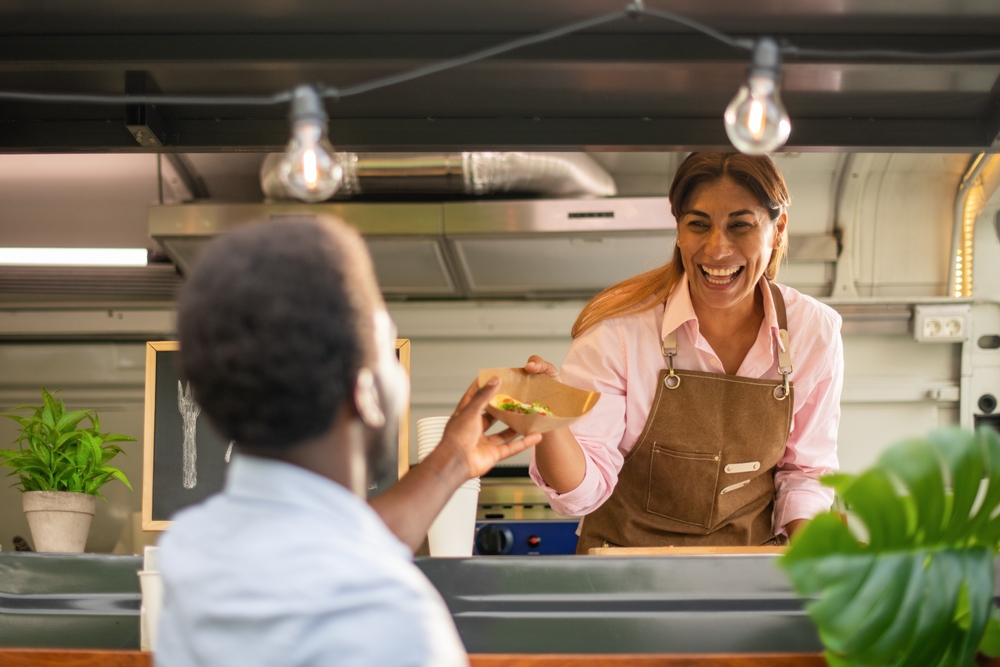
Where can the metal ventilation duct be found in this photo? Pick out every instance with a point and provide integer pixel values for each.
(472, 173)
(540, 248)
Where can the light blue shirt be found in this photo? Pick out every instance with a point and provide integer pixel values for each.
(288, 568)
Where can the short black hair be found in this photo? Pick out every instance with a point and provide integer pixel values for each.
(274, 324)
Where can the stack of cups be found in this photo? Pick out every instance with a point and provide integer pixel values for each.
(152, 599)
(454, 529)
(429, 433)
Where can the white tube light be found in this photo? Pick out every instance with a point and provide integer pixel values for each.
(73, 256)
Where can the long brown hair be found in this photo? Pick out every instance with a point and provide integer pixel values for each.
(758, 174)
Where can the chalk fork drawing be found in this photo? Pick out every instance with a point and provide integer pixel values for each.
(189, 414)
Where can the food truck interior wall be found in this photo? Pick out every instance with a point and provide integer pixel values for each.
(894, 386)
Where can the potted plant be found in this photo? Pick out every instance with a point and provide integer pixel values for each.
(60, 467)
(918, 588)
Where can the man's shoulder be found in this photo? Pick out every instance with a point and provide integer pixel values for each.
(230, 543)
(345, 604)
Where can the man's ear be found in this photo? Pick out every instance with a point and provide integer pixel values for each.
(366, 400)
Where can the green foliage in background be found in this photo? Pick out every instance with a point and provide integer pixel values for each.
(920, 593)
(56, 454)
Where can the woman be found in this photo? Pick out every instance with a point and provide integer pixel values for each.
(720, 390)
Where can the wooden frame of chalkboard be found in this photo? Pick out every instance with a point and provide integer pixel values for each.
(160, 379)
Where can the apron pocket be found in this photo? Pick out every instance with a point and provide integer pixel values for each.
(682, 485)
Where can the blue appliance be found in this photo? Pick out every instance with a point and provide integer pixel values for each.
(526, 538)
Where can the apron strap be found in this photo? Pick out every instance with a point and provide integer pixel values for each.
(669, 349)
(670, 344)
(784, 349)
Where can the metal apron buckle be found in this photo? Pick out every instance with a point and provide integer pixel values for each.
(782, 390)
(669, 349)
(672, 381)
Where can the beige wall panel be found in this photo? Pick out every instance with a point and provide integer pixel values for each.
(106, 377)
(77, 200)
(872, 357)
(809, 177)
(915, 216)
(867, 430)
(870, 169)
(886, 385)
(904, 232)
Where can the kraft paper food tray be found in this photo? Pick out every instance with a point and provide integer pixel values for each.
(567, 403)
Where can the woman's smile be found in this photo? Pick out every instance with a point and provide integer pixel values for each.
(721, 277)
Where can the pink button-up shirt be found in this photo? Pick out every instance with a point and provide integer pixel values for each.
(621, 358)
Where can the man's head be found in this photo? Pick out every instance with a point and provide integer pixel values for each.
(278, 332)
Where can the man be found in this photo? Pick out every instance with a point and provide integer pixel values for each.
(289, 351)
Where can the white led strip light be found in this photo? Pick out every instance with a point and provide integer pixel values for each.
(73, 256)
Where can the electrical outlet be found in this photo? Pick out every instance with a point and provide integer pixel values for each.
(941, 324)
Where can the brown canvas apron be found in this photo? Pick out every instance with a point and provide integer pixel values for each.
(702, 472)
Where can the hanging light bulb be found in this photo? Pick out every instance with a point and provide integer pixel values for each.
(756, 120)
(309, 170)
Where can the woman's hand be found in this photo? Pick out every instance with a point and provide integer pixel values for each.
(795, 526)
(465, 442)
(538, 366)
(559, 457)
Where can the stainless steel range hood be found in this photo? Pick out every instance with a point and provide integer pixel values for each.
(553, 248)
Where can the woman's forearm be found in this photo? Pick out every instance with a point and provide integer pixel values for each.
(560, 460)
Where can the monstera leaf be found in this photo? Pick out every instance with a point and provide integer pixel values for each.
(920, 592)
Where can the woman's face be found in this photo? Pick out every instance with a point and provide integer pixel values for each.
(726, 239)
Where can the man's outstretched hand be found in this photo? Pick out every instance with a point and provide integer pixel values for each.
(465, 438)
(411, 505)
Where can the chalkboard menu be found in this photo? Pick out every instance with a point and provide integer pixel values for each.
(184, 458)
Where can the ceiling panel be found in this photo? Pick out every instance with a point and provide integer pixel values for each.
(450, 16)
(592, 90)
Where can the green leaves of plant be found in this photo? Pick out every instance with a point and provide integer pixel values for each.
(55, 454)
(920, 593)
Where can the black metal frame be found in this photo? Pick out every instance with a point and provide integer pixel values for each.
(671, 97)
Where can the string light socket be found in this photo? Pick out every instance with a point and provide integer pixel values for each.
(756, 120)
(309, 170)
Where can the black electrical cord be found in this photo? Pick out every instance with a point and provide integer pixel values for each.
(745, 44)
(887, 54)
(473, 57)
(282, 97)
(634, 9)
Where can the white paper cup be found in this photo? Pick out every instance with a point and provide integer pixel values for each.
(430, 430)
(454, 529)
(432, 424)
(150, 559)
(432, 421)
(149, 612)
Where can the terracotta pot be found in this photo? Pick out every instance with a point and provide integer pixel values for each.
(59, 520)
